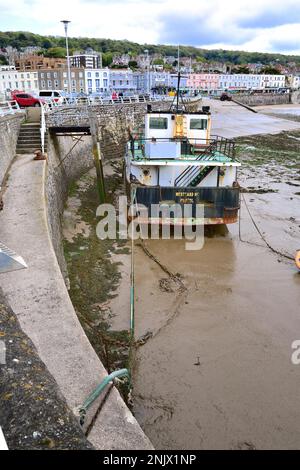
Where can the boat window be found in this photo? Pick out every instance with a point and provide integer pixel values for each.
(158, 123)
(198, 124)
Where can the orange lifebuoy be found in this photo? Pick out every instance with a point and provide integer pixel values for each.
(297, 259)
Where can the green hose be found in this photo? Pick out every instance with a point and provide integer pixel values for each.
(95, 394)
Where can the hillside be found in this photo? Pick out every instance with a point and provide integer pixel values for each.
(21, 39)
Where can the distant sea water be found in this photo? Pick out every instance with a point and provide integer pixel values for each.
(295, 111)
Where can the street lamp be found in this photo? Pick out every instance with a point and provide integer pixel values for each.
(66, 22)
(148, 74)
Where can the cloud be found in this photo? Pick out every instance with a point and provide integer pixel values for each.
(196, 29)
(269, 19)
(253, 25)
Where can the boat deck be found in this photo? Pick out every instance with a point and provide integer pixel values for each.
(213, 159)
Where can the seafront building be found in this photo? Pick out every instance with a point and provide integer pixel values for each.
(57, 79)
(16, 80)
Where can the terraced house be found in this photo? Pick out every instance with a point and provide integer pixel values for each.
(57, 79)
(16, 80)
(96, 80)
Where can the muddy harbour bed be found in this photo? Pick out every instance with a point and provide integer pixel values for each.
(211, 361)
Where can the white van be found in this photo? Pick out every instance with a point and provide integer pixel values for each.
(51, 95)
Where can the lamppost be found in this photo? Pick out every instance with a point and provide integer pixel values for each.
(148, 73)
(66, 22)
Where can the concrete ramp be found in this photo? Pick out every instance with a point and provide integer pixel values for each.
(231, 120)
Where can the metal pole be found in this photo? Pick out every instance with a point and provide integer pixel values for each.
(97, 156)
(66, 22)
(148, 71)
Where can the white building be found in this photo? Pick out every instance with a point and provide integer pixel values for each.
(11, 80)
(96, 80)
(250, 81)
(294, 81)
(273, 81)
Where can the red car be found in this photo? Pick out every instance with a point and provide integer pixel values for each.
(24, 99)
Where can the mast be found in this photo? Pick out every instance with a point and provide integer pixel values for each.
(177, 92)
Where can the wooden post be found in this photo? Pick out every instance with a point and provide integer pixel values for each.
(97, 156)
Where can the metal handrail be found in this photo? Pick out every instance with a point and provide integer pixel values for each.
(9, 107)
(43, 127)
(221, 144)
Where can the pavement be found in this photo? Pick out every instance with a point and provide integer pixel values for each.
(40, 300)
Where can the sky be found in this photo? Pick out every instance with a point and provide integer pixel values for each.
(250, 25)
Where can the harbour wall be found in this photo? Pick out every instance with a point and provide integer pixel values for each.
(35, 197)
(9, 130)
(263, 99)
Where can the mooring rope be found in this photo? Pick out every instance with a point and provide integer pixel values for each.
(259, 232)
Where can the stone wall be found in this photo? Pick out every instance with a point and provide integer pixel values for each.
(263, 99)
(9, 131)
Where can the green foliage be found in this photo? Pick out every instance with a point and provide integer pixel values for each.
(270, 71)
(57, 52)
(107, 58)
(3, 60)
(132, 64)
(21, 39)
(158, 62)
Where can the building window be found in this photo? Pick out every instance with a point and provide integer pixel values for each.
(65, 75)
(49, 83)
(90, 83)
(73, 74)
(89, 74)
(97, 83)
(55, 74)
(97, 74)
(42, 75)
(48, 75)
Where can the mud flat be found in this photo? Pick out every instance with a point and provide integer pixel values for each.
(212, 360)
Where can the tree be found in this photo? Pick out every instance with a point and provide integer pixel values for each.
(107, 59)
(3, 60)
(132, 64)
(270, 71)
(158, 62)
(57, 52)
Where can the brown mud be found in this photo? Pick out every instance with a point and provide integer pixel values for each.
(213, 328)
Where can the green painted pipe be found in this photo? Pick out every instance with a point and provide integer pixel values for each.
(95, 394)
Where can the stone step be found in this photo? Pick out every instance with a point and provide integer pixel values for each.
(30, 151)
(29, 132)
(29, 139)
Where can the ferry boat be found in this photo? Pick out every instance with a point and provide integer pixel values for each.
(176, 161)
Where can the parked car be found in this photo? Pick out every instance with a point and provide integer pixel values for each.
(225, 97)
(25, 100)
(52, 96)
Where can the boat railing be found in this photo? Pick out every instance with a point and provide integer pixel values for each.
(190, 146)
